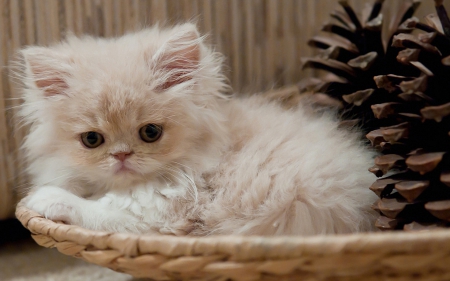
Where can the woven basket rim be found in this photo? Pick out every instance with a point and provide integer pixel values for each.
(391, 256)
(241, 247)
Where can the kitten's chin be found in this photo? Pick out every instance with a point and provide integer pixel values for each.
(124, 170)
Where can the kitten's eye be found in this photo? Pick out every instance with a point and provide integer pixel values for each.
(150, 132)
(92, 139)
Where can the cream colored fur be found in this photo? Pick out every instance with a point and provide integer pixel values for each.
(224, 165)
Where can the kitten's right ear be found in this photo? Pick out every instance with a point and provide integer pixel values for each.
(46, 70)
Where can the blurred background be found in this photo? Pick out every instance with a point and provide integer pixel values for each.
(263, 41)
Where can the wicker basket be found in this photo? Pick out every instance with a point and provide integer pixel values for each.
(375, 256)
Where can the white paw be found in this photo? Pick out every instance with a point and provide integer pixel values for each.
(54, 203)
(57, 204)
(125, 223)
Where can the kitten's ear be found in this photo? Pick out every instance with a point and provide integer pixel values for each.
(46, 70)
(179, 58)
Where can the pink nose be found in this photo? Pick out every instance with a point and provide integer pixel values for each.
(121, 155)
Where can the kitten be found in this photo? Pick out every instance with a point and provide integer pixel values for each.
(136, 134)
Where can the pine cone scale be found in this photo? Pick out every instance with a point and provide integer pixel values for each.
(410, 190)
(439, 209)
(436, 112)
(424, 163)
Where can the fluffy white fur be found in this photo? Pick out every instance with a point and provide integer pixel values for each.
(222, 166)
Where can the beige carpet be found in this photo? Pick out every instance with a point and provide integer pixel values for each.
(25, 260)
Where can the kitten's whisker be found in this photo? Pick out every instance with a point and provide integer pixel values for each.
(191, 183)
(24, 104)
(178, 163)
(49, 182)
(164, 178)
(174, 174)
(174, 121)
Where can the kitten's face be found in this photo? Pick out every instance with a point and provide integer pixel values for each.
(124, 134)
(126, 110)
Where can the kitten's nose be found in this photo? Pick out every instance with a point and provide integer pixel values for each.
(121, 155)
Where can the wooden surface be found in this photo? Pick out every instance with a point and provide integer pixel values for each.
(263, 41)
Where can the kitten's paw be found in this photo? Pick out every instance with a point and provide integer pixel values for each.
(126, 223)
(180, 229)
(53, 203)
(171, 231)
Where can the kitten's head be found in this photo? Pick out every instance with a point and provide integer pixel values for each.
(122, 110)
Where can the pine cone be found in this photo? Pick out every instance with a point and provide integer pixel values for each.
(353, 55)
(398, 92)
(415, 145)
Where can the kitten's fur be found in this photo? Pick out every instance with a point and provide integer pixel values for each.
(222, 166)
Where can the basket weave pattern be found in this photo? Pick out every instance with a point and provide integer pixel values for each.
(375, 256)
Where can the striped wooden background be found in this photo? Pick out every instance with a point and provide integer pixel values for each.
(262, 40)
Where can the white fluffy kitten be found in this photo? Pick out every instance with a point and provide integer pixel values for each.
(134, 134)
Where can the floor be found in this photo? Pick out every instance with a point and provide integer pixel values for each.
(22, 259)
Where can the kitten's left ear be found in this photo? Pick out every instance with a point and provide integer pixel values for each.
(179, 57)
